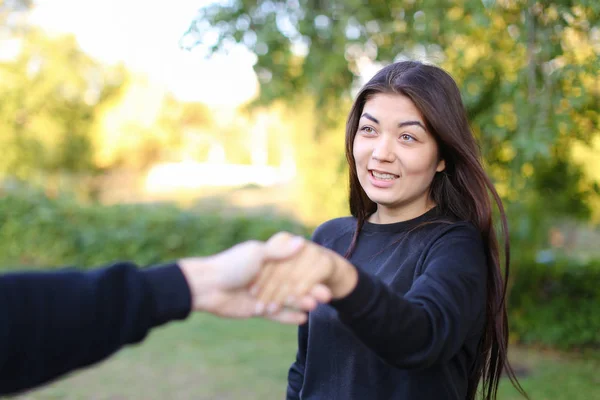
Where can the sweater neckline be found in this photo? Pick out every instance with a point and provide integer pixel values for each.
(402, 225)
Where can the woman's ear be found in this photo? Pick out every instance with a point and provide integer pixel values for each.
(441, 165)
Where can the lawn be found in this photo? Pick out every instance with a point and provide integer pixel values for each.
(206, 358)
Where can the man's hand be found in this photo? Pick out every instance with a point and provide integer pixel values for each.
(283, 280)
(219, 283)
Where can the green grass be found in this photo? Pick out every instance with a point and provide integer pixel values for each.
(554, 376)
(207, 358)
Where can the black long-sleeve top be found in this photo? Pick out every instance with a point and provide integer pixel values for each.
(411, 327)
(52, 323)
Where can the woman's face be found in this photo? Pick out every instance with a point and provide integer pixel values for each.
(396, 157)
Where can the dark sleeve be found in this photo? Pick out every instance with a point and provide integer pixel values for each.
(54, 322)
(296, 372)
(430, 323)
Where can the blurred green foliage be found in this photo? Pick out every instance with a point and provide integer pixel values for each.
(38, 231)
(527, 70)
(50, 94)
(550, 304)
(556, 304)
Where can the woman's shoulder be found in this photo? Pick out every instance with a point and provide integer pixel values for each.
(455, 232)
(334, 228)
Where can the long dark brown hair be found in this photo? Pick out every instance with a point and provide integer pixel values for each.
(462, 190)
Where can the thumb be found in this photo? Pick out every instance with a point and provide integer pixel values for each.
(283, 245)
(240, 264)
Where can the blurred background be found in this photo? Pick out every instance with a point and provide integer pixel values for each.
(150, 130)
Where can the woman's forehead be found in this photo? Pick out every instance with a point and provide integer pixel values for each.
(391, 106)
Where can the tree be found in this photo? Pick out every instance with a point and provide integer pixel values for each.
(527, 70)
(48, 95)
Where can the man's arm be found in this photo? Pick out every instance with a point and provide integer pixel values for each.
(52, 323)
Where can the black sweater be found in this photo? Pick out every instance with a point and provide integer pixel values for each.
(411, 327)
(54, 322)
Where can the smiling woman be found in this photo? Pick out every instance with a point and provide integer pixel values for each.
(396, 158)
(419, 299)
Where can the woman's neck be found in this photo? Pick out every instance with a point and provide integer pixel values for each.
(387, 215)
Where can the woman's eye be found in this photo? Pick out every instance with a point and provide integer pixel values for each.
(406, 137)
(368, 130)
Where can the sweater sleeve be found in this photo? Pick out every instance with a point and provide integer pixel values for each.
(296, 372)
(52, 323)
(432, 320)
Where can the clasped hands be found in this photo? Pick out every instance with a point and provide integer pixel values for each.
(281, 280)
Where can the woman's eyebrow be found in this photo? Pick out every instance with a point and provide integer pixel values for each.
(409, 123)
(369, 116)
(400, 125)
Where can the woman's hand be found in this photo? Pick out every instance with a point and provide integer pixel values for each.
(282, 282)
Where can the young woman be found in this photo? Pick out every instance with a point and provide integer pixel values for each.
(418, 309)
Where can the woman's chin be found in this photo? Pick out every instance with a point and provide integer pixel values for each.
(384, 202)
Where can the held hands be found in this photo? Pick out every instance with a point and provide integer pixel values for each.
(282, 281)
(219, 284)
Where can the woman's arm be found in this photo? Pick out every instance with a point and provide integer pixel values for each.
(426, 325)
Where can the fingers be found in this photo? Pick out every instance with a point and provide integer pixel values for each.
(283, 245)
(318, 294)
(304, 303)
(295, 311)
(320, 271)
(281, 289)
(286, 281)
(289, 317)
(280, 246)
(321, 293)
(272, 290)
(311, 268)
(257, 288)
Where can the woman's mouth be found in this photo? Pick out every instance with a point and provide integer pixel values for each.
(383, 176)
(383, 180)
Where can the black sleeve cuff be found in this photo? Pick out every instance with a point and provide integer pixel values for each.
(171, 293)
(360, 300)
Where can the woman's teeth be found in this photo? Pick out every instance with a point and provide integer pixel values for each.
(385, 177)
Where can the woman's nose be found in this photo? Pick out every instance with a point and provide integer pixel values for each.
(383, 150)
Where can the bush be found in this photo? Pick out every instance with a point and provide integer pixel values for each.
(550, 304)
(38, 231)
(556, 304)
